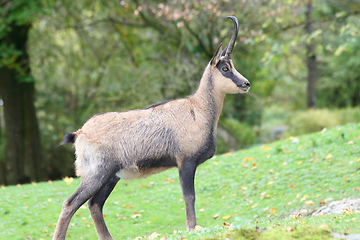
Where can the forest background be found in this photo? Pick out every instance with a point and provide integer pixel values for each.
(61, 62)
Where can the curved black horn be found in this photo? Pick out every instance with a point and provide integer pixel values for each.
(231, 44)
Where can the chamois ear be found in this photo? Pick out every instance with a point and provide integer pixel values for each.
(224, 51)
(215, 59)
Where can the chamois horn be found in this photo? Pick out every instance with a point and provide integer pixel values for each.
(231, 44)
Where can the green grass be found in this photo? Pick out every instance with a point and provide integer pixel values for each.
(260, 186)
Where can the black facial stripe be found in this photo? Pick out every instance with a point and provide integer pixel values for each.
(229, 74)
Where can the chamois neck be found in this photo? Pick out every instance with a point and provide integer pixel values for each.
(208, 97)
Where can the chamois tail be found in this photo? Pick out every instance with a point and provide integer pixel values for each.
(68, 138)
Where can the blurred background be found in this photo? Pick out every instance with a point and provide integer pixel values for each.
(63, 61)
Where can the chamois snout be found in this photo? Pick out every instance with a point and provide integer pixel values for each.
(245, 86)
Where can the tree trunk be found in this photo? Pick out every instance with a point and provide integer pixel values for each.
(311, 59)
(10, 93)
(22, 151)
(31, 135)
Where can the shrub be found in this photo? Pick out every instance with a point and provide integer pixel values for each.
(348, 115)
(316, 120)
(242, 133)
(312, 121)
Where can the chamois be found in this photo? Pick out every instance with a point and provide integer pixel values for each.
(138, 143)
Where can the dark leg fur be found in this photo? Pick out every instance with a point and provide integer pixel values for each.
(187, 176)
(96, 204)
(88, 187)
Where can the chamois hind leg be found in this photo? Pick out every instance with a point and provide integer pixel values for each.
(187, 176)
(96, 204)
(88, 187)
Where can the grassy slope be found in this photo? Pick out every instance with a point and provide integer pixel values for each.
(246, 188)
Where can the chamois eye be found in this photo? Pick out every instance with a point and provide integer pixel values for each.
(225, 69)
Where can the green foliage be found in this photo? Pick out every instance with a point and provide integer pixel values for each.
(348, 115)
(312, 121)
(316, 120)
(221, 146)
(260, 186)
(242, 132)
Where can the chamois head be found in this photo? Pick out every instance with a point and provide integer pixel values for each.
(226, 78)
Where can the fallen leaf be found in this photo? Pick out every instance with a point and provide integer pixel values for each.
(296, 215)
(197, 228)
(292, 185)
(175, 232)
(225, 224)
(270, 182)
(350, 142)
(135, 215)
(266, 149)
(324, 226)
(247, 159)
(348, 210)
(309, 203)
(68, 180)
(227, 217)
(216, 216)
(273, 210)
(299, 162)
(289, 228)
(154, 235)
(357, 189)
(328, 156)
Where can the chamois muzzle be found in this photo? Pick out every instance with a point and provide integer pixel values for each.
(231, 44)
(245, 86)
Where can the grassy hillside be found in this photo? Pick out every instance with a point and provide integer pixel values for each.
(260, 186)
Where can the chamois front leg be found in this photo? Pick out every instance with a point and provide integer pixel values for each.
(187, 176)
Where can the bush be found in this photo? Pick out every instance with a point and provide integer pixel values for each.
(348, 115)
(316, 120)
(239, 135)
